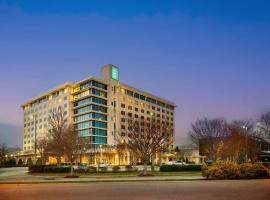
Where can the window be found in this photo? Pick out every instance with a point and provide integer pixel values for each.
(142, 110)
(65, 98)
(136, 109)
(123, 105)
(130, 114)
(123, 127)
(130, 107)
(123, 112)
(136, 116)
(136, 95)
(123, 120)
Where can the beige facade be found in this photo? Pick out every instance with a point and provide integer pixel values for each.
(98, 108)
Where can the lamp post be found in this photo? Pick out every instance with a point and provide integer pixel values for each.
(35, 134)
(246, 134)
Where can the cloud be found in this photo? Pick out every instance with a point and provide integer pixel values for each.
(10, 134)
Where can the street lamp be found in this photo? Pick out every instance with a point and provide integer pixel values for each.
(246, 133)
(35, 133)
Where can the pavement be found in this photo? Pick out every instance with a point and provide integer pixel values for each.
(20, 176)
(185, 190)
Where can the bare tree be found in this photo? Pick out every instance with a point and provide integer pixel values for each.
(242, 143)
(120, 148)
(265, 124)
(71, 146)
(56, 133)
(42, 145)
(146, 138)
(210, 135)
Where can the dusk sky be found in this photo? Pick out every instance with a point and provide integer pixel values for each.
(212, 58)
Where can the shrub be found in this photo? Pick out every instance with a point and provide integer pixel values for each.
(250, 171)
(115, 168)
(29, 162)
(129, 168)
(180, 168)
(36, 168)
(11, 162)
(103, 169)
(231, 170)
(221, 170)
(62, 169)
(91, 169)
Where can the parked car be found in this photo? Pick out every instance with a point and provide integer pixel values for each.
(101, 165)
(176, 162)
(82, 167)
(209, 162)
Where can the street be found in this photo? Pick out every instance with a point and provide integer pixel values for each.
(186, 190)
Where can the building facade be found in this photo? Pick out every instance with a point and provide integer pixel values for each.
(98, 108)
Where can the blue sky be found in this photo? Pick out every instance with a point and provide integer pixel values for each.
(210, 57)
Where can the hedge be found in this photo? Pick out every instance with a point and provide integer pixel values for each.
(91, 169)
(230, 170)
(180, 168)
(36, 168)
(62, 169)
(115, 168)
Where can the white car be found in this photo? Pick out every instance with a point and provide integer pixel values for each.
(101, 165)
(176, 162)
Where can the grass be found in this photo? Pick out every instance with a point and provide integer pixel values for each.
(120, 174)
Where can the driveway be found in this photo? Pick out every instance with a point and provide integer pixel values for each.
(13, 172)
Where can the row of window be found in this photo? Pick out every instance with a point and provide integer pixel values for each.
(90, 116)
(89, 108)
(90, 99)
(92, 131)
(93, 83)
(89, 124)
(40, 108)
(148, 99)
(123, 113)
(142, 110)
(91, 91)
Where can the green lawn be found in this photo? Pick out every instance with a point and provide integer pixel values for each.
(120, 174)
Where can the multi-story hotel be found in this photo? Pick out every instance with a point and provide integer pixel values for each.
(98, 108)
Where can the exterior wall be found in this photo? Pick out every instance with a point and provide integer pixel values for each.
(35, 115)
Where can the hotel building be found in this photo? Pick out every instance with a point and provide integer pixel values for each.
(98, 107)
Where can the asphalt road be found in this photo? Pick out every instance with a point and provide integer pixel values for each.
(192, 190)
